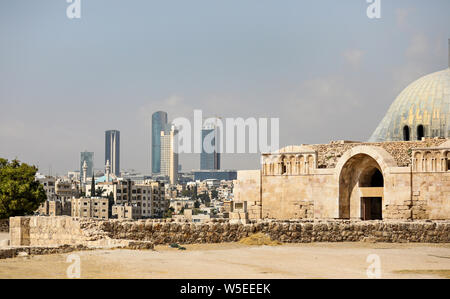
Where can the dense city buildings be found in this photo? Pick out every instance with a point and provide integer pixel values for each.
(159, 123)
(112, 150)
(55, 208)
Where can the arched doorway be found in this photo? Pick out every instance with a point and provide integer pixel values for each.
(371, 183)
(420, 132)
(406, 136)
(361, 188)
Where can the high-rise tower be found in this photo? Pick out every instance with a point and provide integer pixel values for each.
(159, 123)
(169, 154)
(112, 150)
(210, 155)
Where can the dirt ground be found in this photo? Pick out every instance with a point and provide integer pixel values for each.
(234, 260)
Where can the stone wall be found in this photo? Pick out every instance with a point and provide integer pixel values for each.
(329, 154)
(431, 195)
(158, 232)
(285, 231)
(57, 231)
(247, 188)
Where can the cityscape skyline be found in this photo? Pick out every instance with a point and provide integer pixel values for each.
(319, 73)
(229, 145)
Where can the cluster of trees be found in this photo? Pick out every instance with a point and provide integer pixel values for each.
(20, 193)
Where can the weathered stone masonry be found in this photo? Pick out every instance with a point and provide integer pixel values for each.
(157, 232)
(358, 181)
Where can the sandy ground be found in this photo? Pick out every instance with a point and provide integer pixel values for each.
(234, 260)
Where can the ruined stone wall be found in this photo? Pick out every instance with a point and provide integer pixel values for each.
(158, 232)
(52, 231)
(284, 231)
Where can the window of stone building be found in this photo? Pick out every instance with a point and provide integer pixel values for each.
(420, 132)
(406, 136)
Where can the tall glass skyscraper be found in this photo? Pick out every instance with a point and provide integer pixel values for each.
(89, 158)
(112, 150)
(210, 156)
(159, 123)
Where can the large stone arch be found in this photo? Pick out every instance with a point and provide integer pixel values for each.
(355, 170)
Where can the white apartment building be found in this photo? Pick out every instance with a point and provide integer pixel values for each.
(148, 197)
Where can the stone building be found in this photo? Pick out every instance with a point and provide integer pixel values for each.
(389, 180)
(65, 190)
(180, 203)
(55, 208)
(48, 182)
(403, 173)
(126, 212)
(94, 207)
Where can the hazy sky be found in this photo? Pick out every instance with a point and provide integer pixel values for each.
(323, 67)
